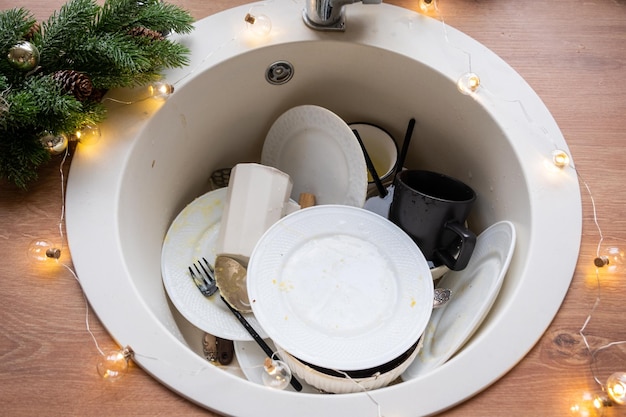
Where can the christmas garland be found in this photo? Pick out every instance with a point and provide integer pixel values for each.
(53, 75)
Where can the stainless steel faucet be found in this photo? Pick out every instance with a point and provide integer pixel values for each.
(328, 14)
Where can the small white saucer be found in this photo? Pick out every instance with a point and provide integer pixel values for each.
(320, 153)
(474, 291)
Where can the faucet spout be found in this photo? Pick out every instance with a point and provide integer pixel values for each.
(328, 14)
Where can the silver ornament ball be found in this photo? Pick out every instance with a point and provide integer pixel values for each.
(24, 56)
(55, 144)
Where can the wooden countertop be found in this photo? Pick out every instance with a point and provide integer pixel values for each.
(572, 52)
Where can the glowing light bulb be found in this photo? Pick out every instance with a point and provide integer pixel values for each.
(560, 158)
(161, 90)
(88, 135)
(260, 25)
(113, 365)
(590, 406)
(616, 387)
(42, 250)
(612, 258)
(427, 6)
(468, 83)
(277, 374)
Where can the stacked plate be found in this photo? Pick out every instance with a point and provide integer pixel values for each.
(344, 293)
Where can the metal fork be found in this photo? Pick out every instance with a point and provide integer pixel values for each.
(205, 282)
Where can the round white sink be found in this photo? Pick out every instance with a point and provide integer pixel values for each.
(390, 65)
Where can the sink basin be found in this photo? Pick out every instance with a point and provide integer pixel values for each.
(391, 64)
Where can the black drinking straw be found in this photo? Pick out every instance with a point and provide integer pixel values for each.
(405, 148)
(382, 191)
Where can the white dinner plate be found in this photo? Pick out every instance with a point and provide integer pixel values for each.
(474, 290)
(191, 236)
(251, 358)
(320, 153)
(340, 287)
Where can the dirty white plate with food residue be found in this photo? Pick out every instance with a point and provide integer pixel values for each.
(474, 290)
(192, 236)
(340, 287)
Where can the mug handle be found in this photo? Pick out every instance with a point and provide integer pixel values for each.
(468, 242)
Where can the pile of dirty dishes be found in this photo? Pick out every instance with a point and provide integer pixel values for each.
(343, 293)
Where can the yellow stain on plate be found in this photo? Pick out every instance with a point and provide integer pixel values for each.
(285, 286)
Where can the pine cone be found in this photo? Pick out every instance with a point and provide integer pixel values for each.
(76, 83)
(35, 28)
(140, 31)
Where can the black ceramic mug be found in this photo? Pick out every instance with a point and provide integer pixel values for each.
(432, 209)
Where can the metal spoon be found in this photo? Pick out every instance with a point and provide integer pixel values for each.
(441, 298)
(230, 277)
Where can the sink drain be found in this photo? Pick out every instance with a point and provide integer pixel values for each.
(279, 72)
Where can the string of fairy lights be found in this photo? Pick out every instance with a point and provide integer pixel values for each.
(609, 258)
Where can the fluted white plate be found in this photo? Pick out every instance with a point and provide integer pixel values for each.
(340, 287)
(320, 153)
(474, 290)
(191, 236)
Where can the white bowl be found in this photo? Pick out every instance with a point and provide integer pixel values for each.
(325, 380)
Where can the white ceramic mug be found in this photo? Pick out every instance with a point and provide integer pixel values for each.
(381, 148)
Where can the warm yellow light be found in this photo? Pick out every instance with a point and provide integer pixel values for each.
(88, 135)
(277, 374)
(114, 365)
(560, 158)
(161, 90)
(612, 258)
(589, 406)
(42, 250)
(468, 83)
(427, 6)
(260, 25)
(616, 387)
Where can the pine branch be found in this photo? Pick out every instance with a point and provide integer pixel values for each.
(165, 17)
(152, 14)
(166, 54)
(20, 158)
(84, 49)
(109, 53)
(14, 23)
(64, 31)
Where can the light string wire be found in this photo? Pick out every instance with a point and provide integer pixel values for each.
(593, 366)
(62, 236)
(69, 268)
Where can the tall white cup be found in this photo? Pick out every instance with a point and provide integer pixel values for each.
(257, 196)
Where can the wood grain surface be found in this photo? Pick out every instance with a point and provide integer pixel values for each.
(573, 54)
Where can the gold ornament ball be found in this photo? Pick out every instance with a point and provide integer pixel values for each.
(55, 144)
(24, 56)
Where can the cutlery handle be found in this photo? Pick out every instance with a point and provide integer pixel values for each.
(259, 340)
